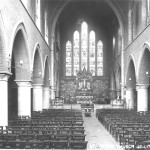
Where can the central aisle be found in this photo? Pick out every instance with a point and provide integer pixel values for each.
(97, 136)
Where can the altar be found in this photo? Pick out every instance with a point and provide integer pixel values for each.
(84, 93)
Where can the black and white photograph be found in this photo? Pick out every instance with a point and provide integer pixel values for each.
(75, 74)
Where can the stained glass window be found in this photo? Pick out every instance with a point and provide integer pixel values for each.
(84, 45)
(76, 53)
(92, 52)
(99, 58)
(68, 58)
(86, 53)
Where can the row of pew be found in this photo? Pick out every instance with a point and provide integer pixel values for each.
(130, 128)
(49, 129)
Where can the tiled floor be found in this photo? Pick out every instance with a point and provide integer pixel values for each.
(98, 138)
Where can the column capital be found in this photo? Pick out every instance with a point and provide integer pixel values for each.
(37, 85)
(4, 76)
(45, 88)
(129, 89)
(142, 86)
(23, 83)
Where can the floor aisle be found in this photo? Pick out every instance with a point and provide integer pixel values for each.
(98, 138)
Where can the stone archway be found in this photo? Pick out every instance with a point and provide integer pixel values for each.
(61, 5)
(20, 81)
(143, 80)
(131, 94)
(37, 80)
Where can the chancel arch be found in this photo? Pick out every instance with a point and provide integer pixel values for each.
(62, 5)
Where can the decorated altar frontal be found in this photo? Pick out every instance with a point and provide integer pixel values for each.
(84, 99)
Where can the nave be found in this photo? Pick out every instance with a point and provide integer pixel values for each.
(97, 136)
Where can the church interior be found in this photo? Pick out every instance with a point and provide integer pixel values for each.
(75, 74)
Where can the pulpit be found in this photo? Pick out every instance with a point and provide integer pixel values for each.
(84, 93)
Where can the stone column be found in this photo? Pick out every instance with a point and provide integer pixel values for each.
(46, 98)
(52, 69)
(130, 98)
(24, 98)
(37, 97)
(113, 94)
(4, 99)
(142, 97)
(122, 67)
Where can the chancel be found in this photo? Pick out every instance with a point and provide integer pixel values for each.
(75, 74)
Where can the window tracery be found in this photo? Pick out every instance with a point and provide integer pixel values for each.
(84, 53)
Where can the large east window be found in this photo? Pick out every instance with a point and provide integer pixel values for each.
(85, 52)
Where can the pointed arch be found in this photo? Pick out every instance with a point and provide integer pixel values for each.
(20, 26)
(100, 58)
(76, 49)
(46, 73)
(92, 52)
(143, 66)
(68, 58)
(37, 66)
(84, 45)
(20, 60)
(85, 54)
(130, 74)
(115, 6)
